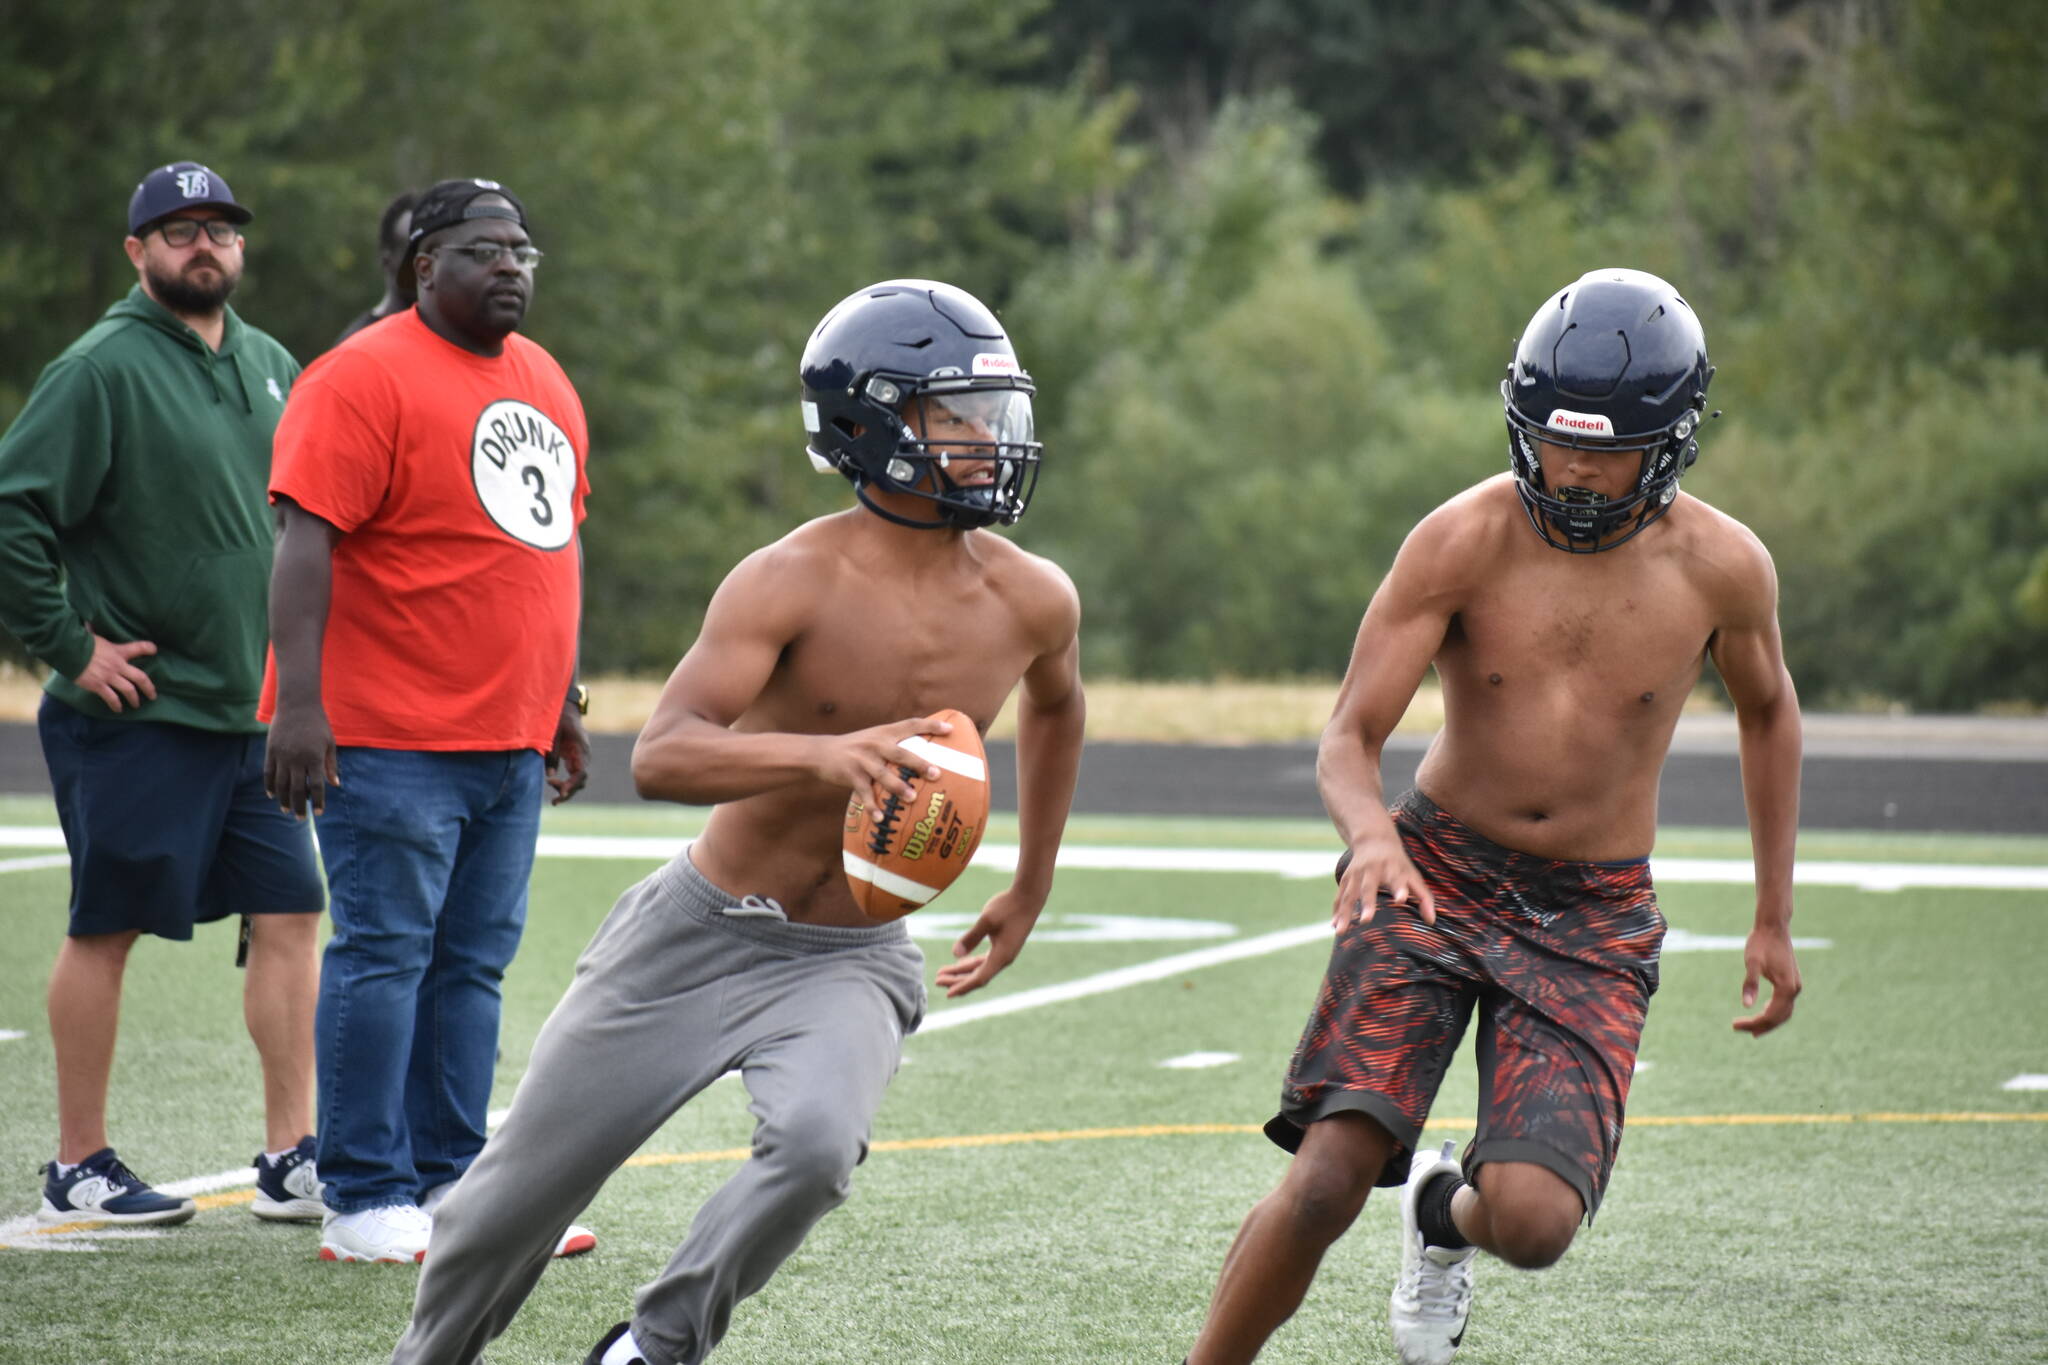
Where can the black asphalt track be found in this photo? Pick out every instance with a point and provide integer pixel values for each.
(1960, 776)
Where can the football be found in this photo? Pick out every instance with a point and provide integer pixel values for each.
(898, 857)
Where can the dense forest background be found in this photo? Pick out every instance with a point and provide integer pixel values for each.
(1266, 260)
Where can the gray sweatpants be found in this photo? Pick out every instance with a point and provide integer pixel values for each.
(672, 993)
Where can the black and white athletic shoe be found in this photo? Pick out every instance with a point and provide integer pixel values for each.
(1433, 1298)
(100, 1189)
(617, 1348)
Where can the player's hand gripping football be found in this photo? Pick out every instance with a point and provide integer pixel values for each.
(1375, 862)
(867, 760)
(1005, 922)
(1768, 955)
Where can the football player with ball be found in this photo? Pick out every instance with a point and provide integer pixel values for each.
(1568, 606)
(823, 664)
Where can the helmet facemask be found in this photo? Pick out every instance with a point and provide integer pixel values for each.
(1578, 520)
(964, 445)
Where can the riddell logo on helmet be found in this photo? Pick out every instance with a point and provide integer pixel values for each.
(1592, 423)
(988, 362)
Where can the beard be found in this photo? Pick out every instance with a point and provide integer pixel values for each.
(184, 295)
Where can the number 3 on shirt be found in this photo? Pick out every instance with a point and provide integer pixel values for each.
(516, 456)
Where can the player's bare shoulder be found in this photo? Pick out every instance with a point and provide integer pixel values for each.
(1036, 590)
(1463, 541)
(1723, 557)
(784, 584)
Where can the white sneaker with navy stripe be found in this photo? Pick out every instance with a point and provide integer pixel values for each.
(1433, 1298)
(100, 1189)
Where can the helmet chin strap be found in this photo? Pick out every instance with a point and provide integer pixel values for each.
(951, 516)
(860, 490)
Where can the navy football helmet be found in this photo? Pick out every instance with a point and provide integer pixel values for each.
(905, 378)
(1615, 360)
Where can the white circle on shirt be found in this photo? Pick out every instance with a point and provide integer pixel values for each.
(525, 473)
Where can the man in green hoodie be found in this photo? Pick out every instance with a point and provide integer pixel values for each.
(135, 543)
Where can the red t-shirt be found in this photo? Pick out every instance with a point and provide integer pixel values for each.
(458, 482)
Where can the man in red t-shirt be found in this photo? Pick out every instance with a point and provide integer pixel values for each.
(424, 608)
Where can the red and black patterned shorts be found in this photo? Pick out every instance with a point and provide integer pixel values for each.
(1561, 960)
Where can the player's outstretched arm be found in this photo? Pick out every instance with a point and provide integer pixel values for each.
(1749, 653)
(1403, 626)
(688, 751)
(1051, 717)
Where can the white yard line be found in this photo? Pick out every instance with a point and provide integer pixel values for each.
(1311, 864)
(1103, 982)
(238, 1179)
(35, 864)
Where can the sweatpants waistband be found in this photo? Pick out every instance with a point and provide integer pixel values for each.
(695, 896)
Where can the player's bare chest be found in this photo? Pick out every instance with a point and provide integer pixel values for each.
(1578, 616)
(867, 662)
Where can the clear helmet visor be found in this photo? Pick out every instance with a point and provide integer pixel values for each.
(973, 450)
(975, 419)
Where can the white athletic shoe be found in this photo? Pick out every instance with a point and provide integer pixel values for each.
(394, 1233)
(575, 1241)
(1433, 1297)
(288, 1189)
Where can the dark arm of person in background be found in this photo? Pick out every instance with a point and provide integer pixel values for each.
(568, 760)
(299, 762)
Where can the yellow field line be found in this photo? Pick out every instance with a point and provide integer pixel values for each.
(1741, 1120)
(962, 1141)
(933, 1144)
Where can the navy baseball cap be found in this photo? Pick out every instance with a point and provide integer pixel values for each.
(181, 185)
(454, 201)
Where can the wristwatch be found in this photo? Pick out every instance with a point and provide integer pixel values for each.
(580, 695)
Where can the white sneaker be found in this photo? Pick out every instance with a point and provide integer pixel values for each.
(575, 1241)
(288, 1190)
(394, 1233)
(1433, 1297)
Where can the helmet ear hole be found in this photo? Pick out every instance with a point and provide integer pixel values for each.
(848, 428)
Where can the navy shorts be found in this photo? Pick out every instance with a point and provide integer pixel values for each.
(168, 826)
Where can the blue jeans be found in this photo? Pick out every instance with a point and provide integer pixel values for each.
(428, 856)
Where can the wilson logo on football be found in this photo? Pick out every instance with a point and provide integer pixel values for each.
(900, 856)
(921, 833)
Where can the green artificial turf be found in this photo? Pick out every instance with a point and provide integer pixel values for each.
(1874, 1214)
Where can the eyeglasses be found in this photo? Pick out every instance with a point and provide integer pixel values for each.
(486, 254)
(185, 231)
